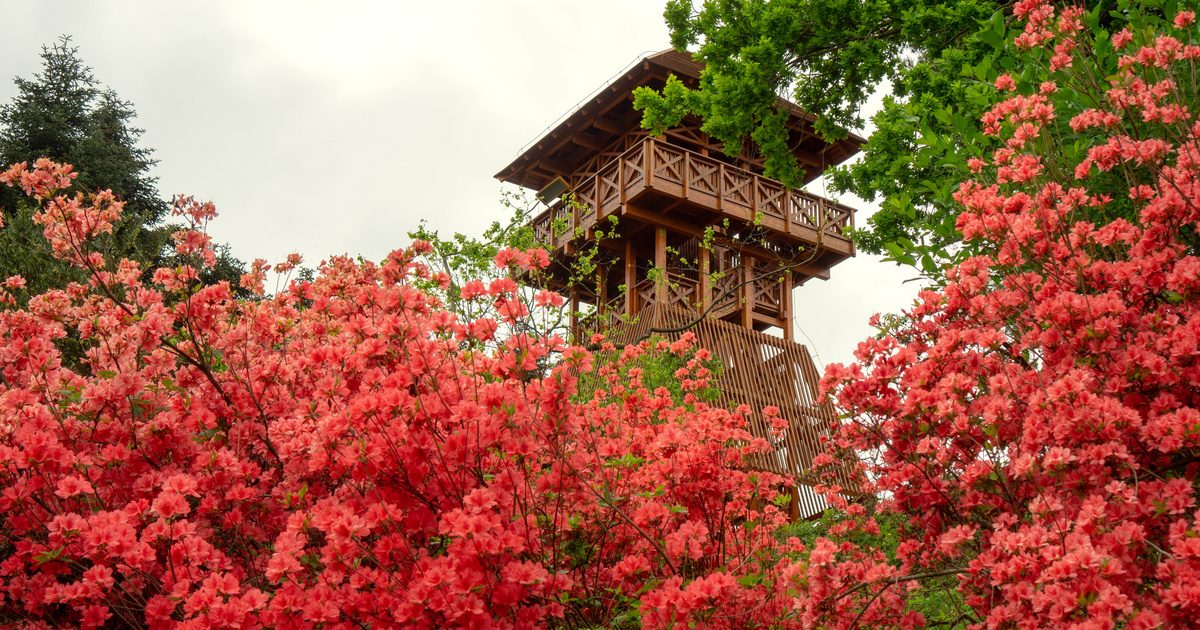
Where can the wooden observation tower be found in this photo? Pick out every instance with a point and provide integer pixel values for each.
(701, 238)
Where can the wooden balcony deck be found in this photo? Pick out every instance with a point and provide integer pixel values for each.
(707, 188)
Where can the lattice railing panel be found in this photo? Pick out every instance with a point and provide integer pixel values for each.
(702, 180)
(542, 234)
(682, 292)
(668, 162)
(602, 319)
(643, 293)
(738, 187)
(726, 295)
(586, 196)
(838, 219)
(608, 187)
(768, 295)
(771, 198)
(633, 166)
(703, 175)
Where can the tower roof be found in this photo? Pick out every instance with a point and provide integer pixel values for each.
(609, 114)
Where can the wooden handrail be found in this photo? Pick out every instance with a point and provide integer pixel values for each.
(812, 211)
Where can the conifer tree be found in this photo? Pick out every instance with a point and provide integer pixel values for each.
(65, 113)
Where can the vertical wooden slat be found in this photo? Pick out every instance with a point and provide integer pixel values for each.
(705, 281)
(575, 332)
(601, 285)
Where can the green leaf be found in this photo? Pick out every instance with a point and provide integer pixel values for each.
(48, 556)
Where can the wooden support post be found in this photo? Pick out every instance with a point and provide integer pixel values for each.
(575, 331)
(630, 279)
(660, 262)
(705, 279)
(601, 286)
(747, 291)
(788, 323)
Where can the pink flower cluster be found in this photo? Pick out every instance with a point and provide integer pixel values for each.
(1035, 421)
(346, 453)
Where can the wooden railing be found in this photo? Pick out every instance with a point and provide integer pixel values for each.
(742, 193)
(678, 291)
(602, 319)
(726, 294)
(657, 165)
(768, 295)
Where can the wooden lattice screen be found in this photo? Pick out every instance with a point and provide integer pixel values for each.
(758, 370)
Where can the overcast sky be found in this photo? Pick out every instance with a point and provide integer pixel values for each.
(336, 127)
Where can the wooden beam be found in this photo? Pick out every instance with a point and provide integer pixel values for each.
(767, 321)
(705, 281)
(608, 126)
(588, 143)
(552, 167)
(649, 216)
(601, 285)
(813, 270)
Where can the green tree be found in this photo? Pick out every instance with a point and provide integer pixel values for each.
(940, 58)
(65, 114)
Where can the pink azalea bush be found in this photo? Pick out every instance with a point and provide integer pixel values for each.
(346, 452)
(1036, 424)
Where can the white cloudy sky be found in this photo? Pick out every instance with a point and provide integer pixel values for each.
(331, 127)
